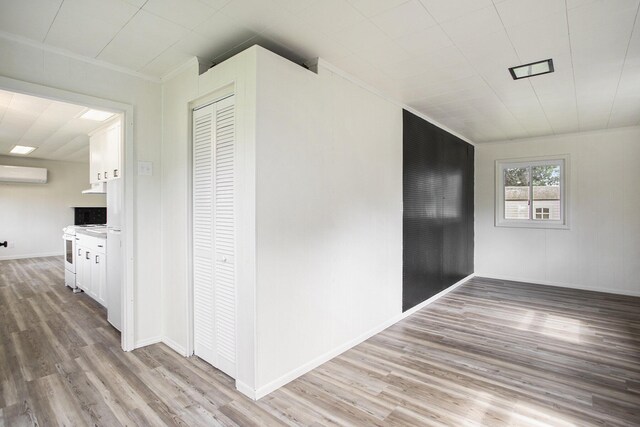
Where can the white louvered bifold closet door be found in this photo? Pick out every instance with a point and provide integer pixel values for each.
(214, 290)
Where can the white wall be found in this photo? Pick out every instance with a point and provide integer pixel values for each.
(601, 249)
(329, 215)
(32, 215)
(327, 222)
(34, 64)
(180, 94)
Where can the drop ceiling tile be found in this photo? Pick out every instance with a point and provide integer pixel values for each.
(216, 4)
(166, 62)
(136, 3)
(28, 18)
(186, 13)
(474, 24)
(518, 12)
(440, 80)
(219, 27)
(424, 41)
(404, 19)
(451, 91)
(361, 69)
(86, 26)
(572, 4)
(330, 16)
(294, 6)
(489, 50)
(254, 14)
(384, 52)
(541, 39)
(292, 34)
(443, 11)
(609, 47)
(558, 84)
(629, 86)
(370, 8)
(624, 114)
(633, 54)
(144, 38)
(586, 19)
(408, 68)
(359, 36)
(214, 37)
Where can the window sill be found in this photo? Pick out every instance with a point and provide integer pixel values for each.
(529, 224)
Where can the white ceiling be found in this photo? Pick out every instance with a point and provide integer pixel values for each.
(53, 127)
(446, 58)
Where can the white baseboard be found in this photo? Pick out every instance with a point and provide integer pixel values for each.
(147, 341)
(295, 373)
(561, 284)
(246, 390)
(24, 256)
(175, 346)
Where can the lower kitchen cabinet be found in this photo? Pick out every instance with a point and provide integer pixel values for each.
(91, 267)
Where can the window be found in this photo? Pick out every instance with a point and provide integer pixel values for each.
(542, 213)
(531, 192)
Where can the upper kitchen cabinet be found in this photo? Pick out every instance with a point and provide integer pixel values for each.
(105, 152)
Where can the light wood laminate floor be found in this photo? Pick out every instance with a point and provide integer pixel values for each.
(490, 353)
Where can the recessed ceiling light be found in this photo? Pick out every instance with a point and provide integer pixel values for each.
(22, 149)
(533, 69)
(97, 115)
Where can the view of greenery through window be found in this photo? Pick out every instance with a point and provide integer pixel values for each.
(541, 180)
(540, 175)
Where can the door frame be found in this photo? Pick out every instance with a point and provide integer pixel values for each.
(128, 195)
(199, 102)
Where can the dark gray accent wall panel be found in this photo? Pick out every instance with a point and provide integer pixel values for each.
(438, 210)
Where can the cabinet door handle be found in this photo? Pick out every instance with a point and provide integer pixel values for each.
(97, 259)
(86, 256)
(105, 175)
(99, 176)
(79, 252)
(99, 246)
(115, 173)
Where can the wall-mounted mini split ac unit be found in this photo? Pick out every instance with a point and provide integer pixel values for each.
(23, 174)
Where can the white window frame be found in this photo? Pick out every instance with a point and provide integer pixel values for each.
(501, 165)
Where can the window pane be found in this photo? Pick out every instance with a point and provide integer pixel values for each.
(546, 192)
(516, 193)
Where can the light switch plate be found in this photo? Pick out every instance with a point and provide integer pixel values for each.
(145, 168)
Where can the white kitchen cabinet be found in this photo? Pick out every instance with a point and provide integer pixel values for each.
(91, 267)
(83, 267)
(99, 277)
(105, 156)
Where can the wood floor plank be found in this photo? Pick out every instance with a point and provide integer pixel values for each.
(492, 352)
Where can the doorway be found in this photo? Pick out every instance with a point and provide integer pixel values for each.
(125, 197)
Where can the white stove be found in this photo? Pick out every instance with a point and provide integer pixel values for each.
(69, 237)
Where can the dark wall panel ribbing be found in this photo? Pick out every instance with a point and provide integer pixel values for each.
(438, 210)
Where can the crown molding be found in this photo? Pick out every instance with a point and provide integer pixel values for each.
(86, 59)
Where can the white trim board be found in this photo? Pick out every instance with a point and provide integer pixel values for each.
(559, 284)
(40, 255)
(173, 345)
(64, 52)
(292, 375)
(147, 341)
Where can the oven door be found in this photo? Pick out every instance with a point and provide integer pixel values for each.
(69, 253)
